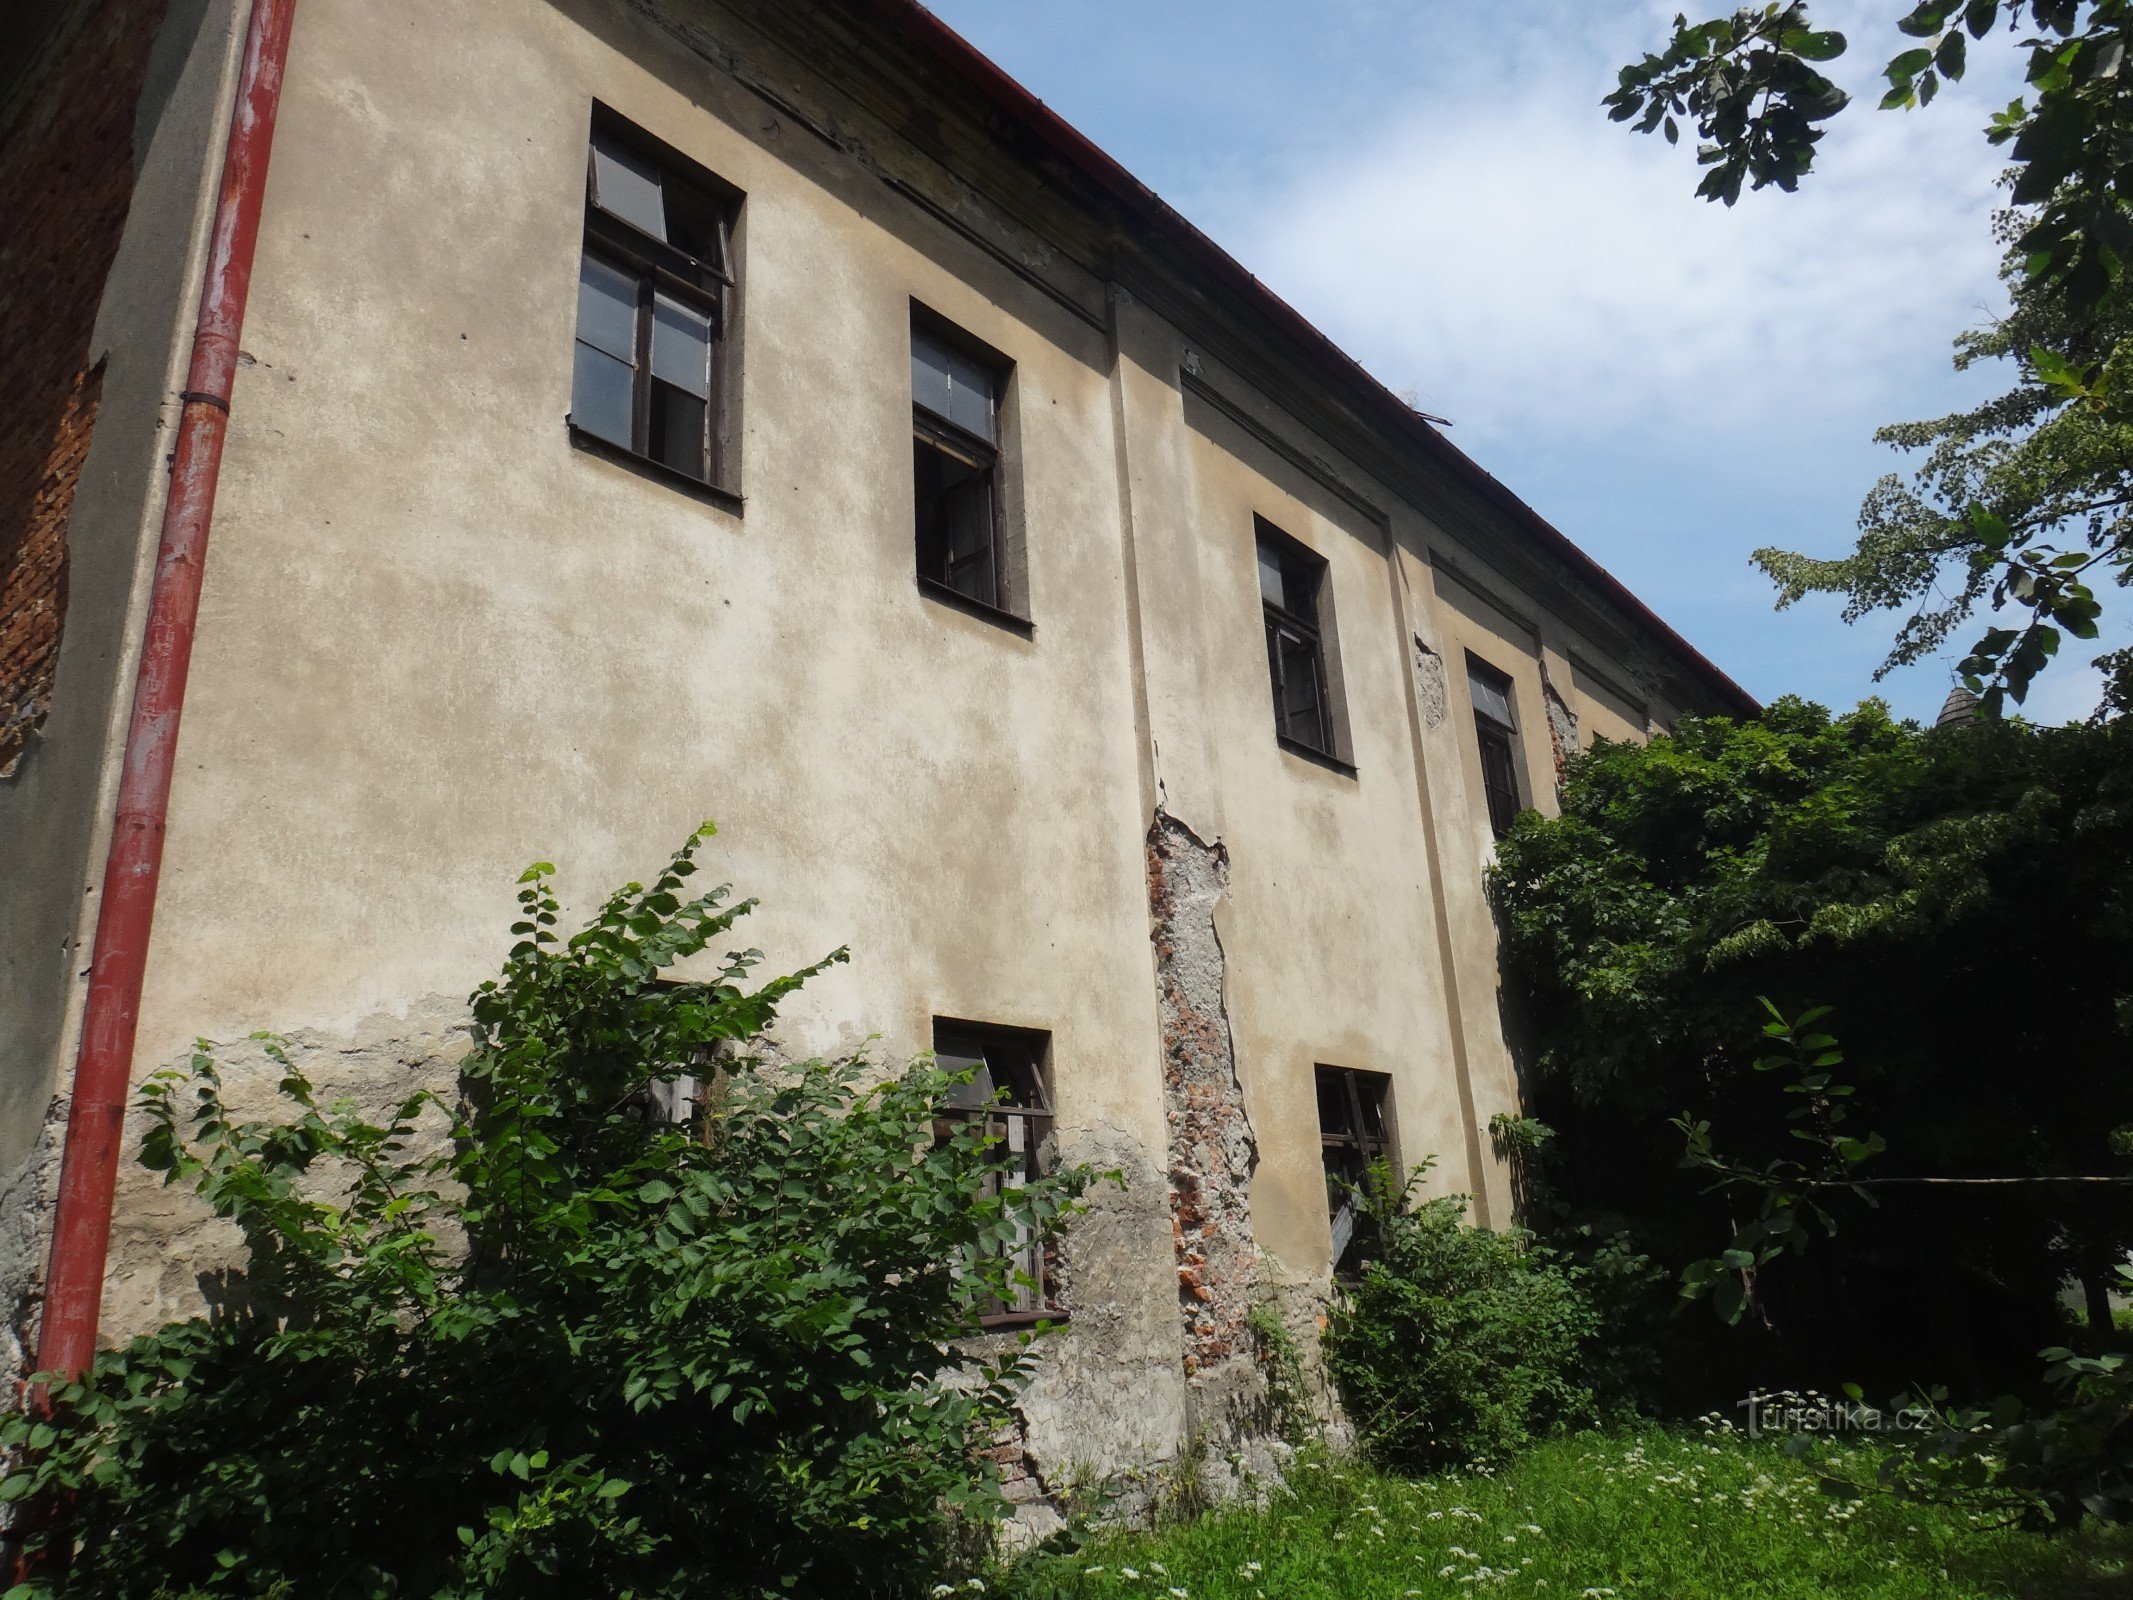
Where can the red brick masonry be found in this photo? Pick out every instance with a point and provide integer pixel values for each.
(66, 182)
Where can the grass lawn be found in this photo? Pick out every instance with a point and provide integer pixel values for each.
(1650, 1514)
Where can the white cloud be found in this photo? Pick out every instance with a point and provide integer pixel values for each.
(1527, 267)
(2066, 693)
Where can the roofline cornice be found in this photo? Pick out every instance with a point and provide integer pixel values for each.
(1379, 406)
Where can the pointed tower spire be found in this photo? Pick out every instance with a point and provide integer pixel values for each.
(1959, 710)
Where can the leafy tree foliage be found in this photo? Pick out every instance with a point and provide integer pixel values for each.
(1752, 83)
(2054, 1463)
(1792, 1191)
(2021, 502)
(575, 1347)
(1962, 898)
(1458, 1343)
(2044, 1465)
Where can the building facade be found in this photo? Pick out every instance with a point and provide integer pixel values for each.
(661, 409)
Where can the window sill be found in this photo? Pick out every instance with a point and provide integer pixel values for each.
(1317, 758)
(934, 589)
(710, 493)
(1004, 1321)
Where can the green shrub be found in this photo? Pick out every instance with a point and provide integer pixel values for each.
(1458, 1343)
(583, 1351)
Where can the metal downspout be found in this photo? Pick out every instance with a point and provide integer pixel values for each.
(88, 1174)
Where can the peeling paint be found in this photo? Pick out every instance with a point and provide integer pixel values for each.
(1431, 693)
(26, 1199)
(170, 1256)
(1213, 1151)
(1562, 723)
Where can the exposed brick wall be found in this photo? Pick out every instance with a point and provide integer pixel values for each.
(1212, 1148)
(1562, 726)
(33, 583)
(66, 181)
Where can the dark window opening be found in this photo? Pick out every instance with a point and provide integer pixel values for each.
(1290, 581)
(955, 457)
(1495, 729)
(1007, 1092)
(1352, 1138)
(654, 287)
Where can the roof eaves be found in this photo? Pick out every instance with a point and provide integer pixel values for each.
(915, 22)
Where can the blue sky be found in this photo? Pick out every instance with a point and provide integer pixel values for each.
(1670, 382)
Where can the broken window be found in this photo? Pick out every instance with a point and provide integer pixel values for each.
(1496, 730)
(1352, 1138)
(1007, 1093)
(1291, 582)
(654, 300)
(955, 459)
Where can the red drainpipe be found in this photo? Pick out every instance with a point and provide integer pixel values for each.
(88, 1173)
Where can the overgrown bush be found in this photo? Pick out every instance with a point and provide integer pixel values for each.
(1458, 1343)
(1960, 896)
(584, 1350)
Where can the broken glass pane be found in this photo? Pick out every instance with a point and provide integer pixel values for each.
(954, 1058)
(1334, 1120)
(677, 429)
(969, 531)
(695, 223)
(1299, 691)
(1270, 584)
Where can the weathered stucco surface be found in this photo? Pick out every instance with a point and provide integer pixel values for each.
(438, 642)
(170, 1256)
(26, 1199)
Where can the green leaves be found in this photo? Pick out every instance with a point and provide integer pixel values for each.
(1459, 1342)
(1954, 893)
(2017, 508)
(2057, 371)
(1747, 83)
(552, 1337)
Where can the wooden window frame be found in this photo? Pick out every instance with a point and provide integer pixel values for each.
(1307, 631)
(1030, 1129)
(707, 287)
(1347, 1156)
(943, 436)
(1497, 742)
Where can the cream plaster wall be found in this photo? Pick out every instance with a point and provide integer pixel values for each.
(438, 642)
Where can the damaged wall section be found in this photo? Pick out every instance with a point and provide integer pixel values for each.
(1212, 1149)
(67, 124)
(1562, 724)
